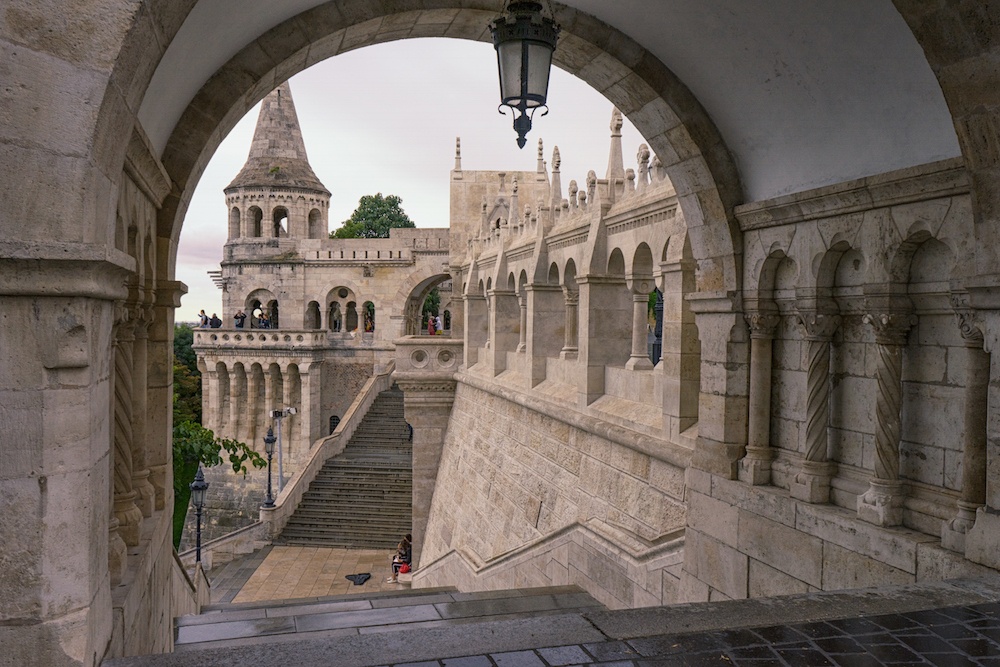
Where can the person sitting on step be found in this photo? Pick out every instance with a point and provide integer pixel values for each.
(404, 552)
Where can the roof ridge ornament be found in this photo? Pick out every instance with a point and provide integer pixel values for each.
(524, 40)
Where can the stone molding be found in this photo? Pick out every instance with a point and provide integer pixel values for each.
(145, 169)
(64, 270)
(945, 178)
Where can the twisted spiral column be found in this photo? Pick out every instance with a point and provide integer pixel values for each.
(882, 504)
(125, 510)
(812, 481)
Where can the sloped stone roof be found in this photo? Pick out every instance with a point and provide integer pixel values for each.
(278, 153)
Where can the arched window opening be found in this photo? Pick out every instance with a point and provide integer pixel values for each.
(447, 320)
(351, 320)
(334, 422)
(234, 223)
(336, 318)
(655, 315)
(280, 223)
(312, 316)
(256, 219)
(317, 230)
(369, 313)
(272, 315)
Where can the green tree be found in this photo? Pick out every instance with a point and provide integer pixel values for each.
(373, 218)
(193, 444)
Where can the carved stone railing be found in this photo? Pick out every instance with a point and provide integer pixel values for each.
(258, 339)
(424, 356)
(276, 517)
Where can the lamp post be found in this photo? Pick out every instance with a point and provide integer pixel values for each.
(198, 488)
(524, 41)
(278, 415)
(269, 450)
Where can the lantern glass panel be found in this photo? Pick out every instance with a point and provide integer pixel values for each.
(198, 497)
(539, 63)
(509, 60)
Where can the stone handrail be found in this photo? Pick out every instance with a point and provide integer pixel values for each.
(276, 517)
(469, 572)
(242, 541)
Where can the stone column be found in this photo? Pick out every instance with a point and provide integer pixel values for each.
(253, 407)
(146, 494)
(504, 319)
(882, 504)
(755, 467)
(477, 327)
(125, 509)
(522, 300)
(812, 482)
(160, 379)
(570, 349)
(638, 359)
(973, 492)
(545, 315)
(236, 405)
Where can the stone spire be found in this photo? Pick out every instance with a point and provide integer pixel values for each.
(278, 153)
(616, 164)
(458, 153)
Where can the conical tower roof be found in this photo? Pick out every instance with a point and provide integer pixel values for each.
(278, 153)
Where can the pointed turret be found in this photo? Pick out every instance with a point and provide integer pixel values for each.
(278, 153)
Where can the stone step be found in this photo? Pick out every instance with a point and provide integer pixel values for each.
(243, 626)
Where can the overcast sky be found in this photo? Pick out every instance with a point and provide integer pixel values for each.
(384, 119)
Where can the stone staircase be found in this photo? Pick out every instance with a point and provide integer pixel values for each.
(361, 498)
(272, 622)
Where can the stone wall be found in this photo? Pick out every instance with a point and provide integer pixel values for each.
(511, 475)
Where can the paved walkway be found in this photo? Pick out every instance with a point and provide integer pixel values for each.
(281, 573)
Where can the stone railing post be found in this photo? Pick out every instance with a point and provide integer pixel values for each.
(755, 467)
(522, 301)
(812, 482)
(882, 504)
(973, 492)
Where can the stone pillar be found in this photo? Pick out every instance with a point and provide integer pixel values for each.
(253, 407)
(477, 327)
(427, 408)
(723, 404)
(812, 482)
(571, 331)
(146, 494)
(545, 317)
(680, 360)
(160, 379)
(125, 509)
(236, 406)
(755, 467)
(973, 492)
(638, 359)
(882, 504)
(522, 302)
(310, 415)
(504, 320)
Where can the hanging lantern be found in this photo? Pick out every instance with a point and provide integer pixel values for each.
(525, 41)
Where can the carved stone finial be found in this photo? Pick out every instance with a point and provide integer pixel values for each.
(513, 185)
(503, 181)
(616, 122)
(458, 154)
(556, 159)
(541, 157)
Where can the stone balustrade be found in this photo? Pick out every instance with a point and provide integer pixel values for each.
(426, 355)
(284, 339)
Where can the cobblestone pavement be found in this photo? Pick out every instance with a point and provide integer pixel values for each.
(946, 637)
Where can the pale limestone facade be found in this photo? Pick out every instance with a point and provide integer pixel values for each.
(821, 235)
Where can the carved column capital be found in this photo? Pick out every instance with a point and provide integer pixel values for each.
(818, 325)
(762, 323)
(967, 319)
(572, 296)
(891, 327)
